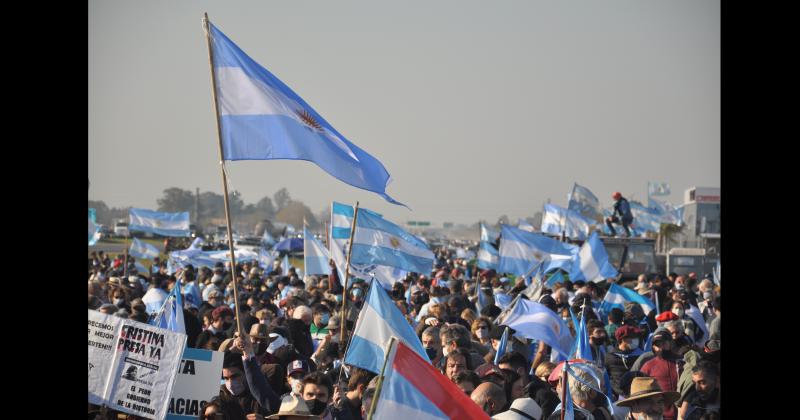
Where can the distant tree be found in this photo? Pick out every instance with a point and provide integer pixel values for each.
(176, 200)
(212, 205)
(294, 212)
(265, 208)
(282, 199)
(324, 216)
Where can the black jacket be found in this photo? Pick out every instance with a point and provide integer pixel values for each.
(618, 363)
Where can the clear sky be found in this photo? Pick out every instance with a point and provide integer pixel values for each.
(477, 109)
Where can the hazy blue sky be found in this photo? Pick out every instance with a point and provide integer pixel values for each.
(476, 108)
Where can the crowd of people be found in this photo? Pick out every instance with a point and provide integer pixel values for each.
(287, 361)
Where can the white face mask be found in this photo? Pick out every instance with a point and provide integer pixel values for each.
(235, 387)
(678, 312)
(276, 344)
(297, 386)
(635, 343)
(445, 351)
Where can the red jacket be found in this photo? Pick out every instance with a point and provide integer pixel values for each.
(666, 373)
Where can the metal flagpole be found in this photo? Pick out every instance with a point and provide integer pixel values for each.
(380, 380)
(566, 215)
(347, 272)
(222, 170)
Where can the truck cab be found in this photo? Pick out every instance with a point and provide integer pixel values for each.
(686, 260)
(632, 256)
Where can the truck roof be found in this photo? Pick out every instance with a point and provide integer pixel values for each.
(687, 251)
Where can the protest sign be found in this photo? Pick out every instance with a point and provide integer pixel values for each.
(103, 330)
(144, 368)
(197, 382)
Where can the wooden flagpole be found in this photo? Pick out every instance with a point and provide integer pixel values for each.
(380, 379)
(347, 273)
(222, 170)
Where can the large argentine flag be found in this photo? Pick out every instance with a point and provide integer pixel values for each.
(315, 256)
(262, 119)
(591, 263)
(378, 321)
(520, 250)
(165, 224)
(557, 219)
(341, 223)
(143, 250)
(379, 241)
(413, 389)
(617, 296)
(585, 203)
(488, 256)
(535, 321)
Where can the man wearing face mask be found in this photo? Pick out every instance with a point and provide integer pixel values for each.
(621, 360)
(295, 372)
(433, 346)
(647, 400)
(665, 367)
(244, 381)
(219, 317)
(319, 325)
(322, 399)
(259, 335)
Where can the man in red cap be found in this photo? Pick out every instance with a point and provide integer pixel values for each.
(623, 209)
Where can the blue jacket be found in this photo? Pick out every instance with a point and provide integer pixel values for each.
(623, 209)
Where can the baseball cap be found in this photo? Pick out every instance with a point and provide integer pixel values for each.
(295, 366)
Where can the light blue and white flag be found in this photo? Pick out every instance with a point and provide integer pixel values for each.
(694, 313)
(285, 265)
(170, 316)
(140, 268)
(488, 234)
(94, 229)
(381, 242)
(162, 223)
(665, 210)
(524, 225)
(656, 189)
(520, 250)
(501, 348)
(585, 203)
(502, 299)
(591, 263)
(378, 321)
(535, 321)
(341, 224)
(464, 253)
(557, 219)
(197, 243)
(263, 119)
(266, 258)
(192, 296)
(557, 277)
(617, 296)
(582, 348)
(140, 249)
(488, 256)
(315, 256)
(266, 239)
(154, 299)
(197, 258)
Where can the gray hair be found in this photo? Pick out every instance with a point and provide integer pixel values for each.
(457, 333)
(431, 332)
(301, 311)
(579, 391)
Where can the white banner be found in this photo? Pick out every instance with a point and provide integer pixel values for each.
(103, 330)
(141, 365)
(197, 382)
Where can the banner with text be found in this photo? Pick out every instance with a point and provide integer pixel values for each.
(197, 382)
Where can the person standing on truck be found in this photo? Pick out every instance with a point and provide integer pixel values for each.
(625, 218)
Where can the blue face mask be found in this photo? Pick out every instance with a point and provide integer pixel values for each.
(324, 319)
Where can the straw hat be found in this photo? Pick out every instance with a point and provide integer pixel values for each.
(293, 406)
(645, 387)
(260, 331)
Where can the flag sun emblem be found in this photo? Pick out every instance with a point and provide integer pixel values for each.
(309, 120)
(395, 243)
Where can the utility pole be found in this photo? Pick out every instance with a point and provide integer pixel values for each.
(197, 206)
